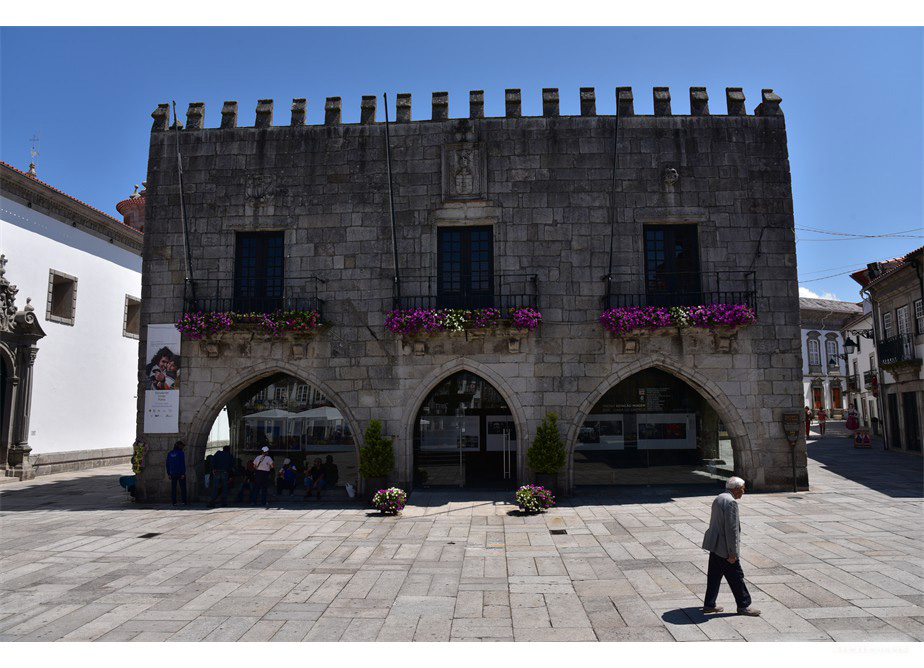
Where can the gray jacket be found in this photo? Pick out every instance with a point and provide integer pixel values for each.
(724, 533)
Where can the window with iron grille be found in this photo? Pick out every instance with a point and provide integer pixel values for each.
(672, 271)
(919, 316)
(465, 267)
(259, 271)
(887, 325)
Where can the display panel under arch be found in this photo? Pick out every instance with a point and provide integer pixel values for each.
(294, 419)
(652, 429)
(465, 436)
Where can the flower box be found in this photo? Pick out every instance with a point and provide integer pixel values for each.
(632, 321)
(199, 325)
(470, 322)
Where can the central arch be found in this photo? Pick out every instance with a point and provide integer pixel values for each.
(513, 424)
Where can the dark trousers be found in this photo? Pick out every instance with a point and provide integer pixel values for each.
(734, 576)
(220, 479)
(174, 481)
(260, 486)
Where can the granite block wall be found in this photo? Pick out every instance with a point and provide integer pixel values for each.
(557, 201)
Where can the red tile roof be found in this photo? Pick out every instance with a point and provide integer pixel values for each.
(115, 220)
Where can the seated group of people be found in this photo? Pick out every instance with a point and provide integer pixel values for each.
(316, 479)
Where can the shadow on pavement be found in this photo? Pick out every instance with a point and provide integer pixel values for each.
(687, 616)
(895, 473)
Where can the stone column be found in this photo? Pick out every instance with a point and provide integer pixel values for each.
(18, 457)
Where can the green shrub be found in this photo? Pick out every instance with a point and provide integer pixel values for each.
(547, 453)
(376, 457)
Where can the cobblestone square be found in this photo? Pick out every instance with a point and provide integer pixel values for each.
(841, 562)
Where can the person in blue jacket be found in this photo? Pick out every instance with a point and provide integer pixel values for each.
(176, 469)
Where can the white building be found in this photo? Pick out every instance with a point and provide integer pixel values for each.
(862, 368)
(895, 290)
(82, 271)
(824, 369)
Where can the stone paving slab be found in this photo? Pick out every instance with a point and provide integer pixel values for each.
(841, 562)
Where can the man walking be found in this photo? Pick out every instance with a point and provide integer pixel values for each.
(723, 540)
(176, 470)
(222, 465)
(264, 466)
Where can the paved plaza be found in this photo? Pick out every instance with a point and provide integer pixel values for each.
(840, 562)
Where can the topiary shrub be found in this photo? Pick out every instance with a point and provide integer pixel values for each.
(547, 453)
(376, 457)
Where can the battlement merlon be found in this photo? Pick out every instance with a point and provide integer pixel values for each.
(625, 106)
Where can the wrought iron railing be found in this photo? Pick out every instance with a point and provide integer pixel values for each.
(681, 289)
(502, 291)
(897, 349)
(255, 295)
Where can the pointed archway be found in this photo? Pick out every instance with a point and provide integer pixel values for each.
(657, 423)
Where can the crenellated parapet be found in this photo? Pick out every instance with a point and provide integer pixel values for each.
(513, 107)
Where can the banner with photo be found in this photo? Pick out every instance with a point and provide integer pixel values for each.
(162, 380)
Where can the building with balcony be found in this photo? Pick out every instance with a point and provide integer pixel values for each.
(67, 359)
(635, 274)
(825, 373)
(895, 290)
(862, 368)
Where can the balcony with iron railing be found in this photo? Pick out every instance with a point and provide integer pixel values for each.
(853, 383)
(468, 291)
(898, 349)
(869, 380)
(255, 295)
(681, 289)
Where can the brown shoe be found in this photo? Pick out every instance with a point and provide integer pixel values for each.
(710, 609)
(749, 612)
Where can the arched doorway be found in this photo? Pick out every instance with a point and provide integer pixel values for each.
(293, 418)
(465, 436)
(652, 429)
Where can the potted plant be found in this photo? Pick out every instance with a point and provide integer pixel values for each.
(376, 458)
(534, 498)
(547, 453)
(390, 501)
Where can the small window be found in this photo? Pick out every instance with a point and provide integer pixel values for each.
(901, 318)
(131, 322)
(814, 353)
(919, 316)
(260, 396)
(887, 324)
(831, 352)
(62, 297)
(281, 395)
(301, 394)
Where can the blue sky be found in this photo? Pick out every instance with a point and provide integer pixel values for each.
(852, 99)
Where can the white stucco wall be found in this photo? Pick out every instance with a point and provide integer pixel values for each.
(85, 380)
(828, 378)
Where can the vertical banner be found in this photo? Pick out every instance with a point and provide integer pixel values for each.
(162, 380)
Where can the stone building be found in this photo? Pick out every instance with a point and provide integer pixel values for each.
(566, 215)
(824, 368)
(82, 270)
(895, 290)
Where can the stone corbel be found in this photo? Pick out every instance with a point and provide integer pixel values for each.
(630, 345)
(210, 347)
(513, 344)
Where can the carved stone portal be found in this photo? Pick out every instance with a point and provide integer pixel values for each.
(464, 172)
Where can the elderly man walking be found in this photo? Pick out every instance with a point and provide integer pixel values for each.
(723, 540)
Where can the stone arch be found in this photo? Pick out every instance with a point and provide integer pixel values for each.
(712, 393)
(437, 376)
(201, 424)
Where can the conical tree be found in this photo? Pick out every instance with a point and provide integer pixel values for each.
(376, 457)
(547, 453)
